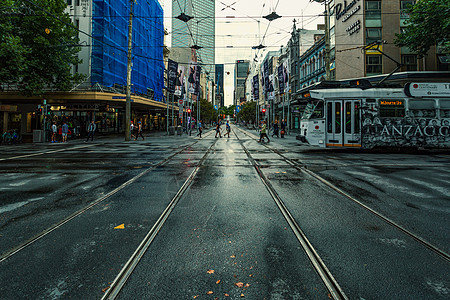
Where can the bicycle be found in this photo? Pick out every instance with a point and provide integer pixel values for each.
(10, 136)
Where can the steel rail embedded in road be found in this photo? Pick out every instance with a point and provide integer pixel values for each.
(37, 237)
(324, 273)
(316, 176)
(121, 279)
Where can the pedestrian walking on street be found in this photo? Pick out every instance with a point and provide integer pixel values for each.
(54, 131)
(91, 129)
(139, 131)
(264, 133)
(64, 132)
(275, 129)
(131, 130)
(218, 130)
(200, 129)
(228, 128)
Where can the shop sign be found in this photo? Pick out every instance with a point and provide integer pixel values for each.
(355, 27)
(351, 13)
(82, 107)
(8, 107)
(342, 11)
(375, 49)
(84, 6)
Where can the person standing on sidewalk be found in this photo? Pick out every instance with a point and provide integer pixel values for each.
(200, 129)
(264, 132)
(139, 131)
(64, 132)
(54, 131)
(283, 128)
(91, 130)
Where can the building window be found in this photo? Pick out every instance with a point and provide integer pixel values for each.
(409, 62)
(373, 65)
(373, 13)
(373, 35)
(404, 5)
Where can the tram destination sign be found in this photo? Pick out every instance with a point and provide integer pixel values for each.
(425, 89)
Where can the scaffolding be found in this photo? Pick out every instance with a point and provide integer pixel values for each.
(109, 52)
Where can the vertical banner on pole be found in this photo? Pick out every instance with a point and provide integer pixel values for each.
(255, 87)
(172, 70)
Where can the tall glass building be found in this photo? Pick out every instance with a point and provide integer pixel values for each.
(198, 31)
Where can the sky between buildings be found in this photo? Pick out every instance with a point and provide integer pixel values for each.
(240, 25)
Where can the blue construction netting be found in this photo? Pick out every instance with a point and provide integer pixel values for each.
(109, 52)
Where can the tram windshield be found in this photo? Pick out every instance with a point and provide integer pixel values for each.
(314, 110)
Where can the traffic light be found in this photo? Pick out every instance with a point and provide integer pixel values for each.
(48, 109)
(263, 110)
(39, 110)
(189, 110)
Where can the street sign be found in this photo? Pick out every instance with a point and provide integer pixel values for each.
(216, 107)
(180, 101)
(238, 108)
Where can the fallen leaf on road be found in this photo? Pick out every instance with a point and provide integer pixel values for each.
(233, 256)
(196, 296)
(242, 295)
(251, 275)
(210, 271)
(247, 285)
(210, 292)
(218, 281)
(105, 289)
(239, 284)
(226, 295)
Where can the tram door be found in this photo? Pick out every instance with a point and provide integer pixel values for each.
(343, 123)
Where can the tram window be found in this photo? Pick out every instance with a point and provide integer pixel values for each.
(445, 113)
(338, 117)
(330, 117)
(348, 117)
(357, 118)
(313, 111)
(392, 109)
(318, 111)
(422, 108)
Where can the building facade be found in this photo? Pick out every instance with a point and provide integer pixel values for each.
(241, 70)
(199, 31)
(103, 43)
(105, 57)
(219, 80)
(363, 38)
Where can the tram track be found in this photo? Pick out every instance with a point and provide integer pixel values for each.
(324, 273)
(4, 256)
(119, 282)
(304, 169)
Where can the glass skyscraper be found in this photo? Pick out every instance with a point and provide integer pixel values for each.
(198, 31)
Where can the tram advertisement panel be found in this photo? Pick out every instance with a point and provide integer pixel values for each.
(387, 123)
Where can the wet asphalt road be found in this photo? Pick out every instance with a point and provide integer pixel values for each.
(226, 222)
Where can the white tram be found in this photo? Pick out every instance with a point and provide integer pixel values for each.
(417, 116)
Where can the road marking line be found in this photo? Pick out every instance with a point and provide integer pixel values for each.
(41, 153)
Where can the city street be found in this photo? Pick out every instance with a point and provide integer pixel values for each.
(179, 217)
